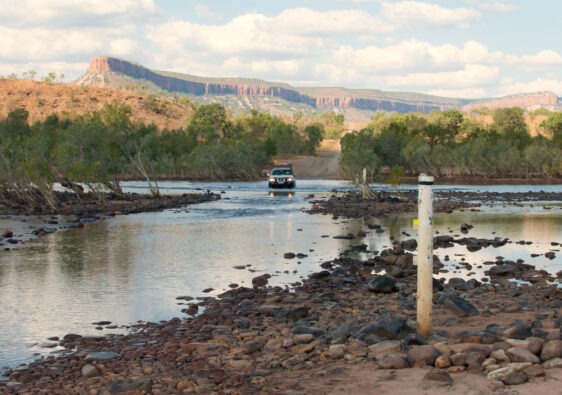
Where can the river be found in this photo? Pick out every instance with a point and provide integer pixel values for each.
(132, 268)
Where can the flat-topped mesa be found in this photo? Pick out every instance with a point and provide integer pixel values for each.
(323, 98)
(104, 64)
(526, 100)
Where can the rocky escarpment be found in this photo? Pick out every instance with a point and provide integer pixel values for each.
(101, 66)
(104, 64)
(525, 100)
(370, 100)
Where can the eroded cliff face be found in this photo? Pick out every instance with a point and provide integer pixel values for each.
(102, 64)
(323, 98)
(525, 100)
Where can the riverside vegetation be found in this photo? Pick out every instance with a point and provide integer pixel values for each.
(102, 148)
(450, 144)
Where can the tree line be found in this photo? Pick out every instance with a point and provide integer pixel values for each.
(452, 145)
(102, 148)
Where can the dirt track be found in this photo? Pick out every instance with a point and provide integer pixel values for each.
(323, 166)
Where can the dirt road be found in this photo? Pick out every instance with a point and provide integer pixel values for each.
(323, 166)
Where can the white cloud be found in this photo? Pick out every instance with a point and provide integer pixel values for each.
(412, 55)
(416, 14)
(464, 93)
(122, 47)
(250, 35)
(493, 5)
(469, 76)
(537, 85)
(40, 13)
(348, 22)
(542, 60)
(68, 69)
(47, 44)
(294, 33)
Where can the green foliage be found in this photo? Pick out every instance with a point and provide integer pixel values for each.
(553, 126)
(510, 122)
(333, 125)
(101, 148)
(358, 153)
(209, 123)
(313, 135)
(449, 144)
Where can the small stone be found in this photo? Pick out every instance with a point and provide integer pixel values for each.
(443, 362)
(336, 351)
(438, 375)
(304, 338)
(553, 363)
(89, 371)
(141, 386)
(261, 281)
(515, 378)
(101, 356)
(240, 365)
(393, 361)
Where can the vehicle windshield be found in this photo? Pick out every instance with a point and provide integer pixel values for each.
(281, 172)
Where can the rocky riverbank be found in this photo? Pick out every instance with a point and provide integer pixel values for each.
(73, 211)
(348, 328)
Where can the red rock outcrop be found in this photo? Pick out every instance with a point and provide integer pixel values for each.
(370, 100)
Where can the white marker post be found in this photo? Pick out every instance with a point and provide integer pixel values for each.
(425, 254)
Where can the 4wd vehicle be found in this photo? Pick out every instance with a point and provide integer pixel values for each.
(282, 176)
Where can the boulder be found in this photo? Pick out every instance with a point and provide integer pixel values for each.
(382, 284)
(390, 328)
(419, 356)
(393, 361)
(551, 349)
(459, 306)
(518, 354)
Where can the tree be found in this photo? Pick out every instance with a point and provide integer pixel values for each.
(333, 125)
(450, 122)
(50, 77)
(209, 122)
(357, 153)
(389, 143)
(510, 122)
(553, 126)
(314, 135)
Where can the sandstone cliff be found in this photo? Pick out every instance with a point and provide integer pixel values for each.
(525, 100)
(322, 99)
(104, 71)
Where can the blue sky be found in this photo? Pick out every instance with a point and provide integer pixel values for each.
(458, 48)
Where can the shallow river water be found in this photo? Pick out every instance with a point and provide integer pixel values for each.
(132, 268)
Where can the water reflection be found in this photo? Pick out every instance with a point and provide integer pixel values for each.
(281, 193)
(133, 267)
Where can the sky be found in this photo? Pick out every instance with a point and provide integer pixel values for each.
(455, 48)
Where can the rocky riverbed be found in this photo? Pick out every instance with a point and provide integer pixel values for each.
(348, 328)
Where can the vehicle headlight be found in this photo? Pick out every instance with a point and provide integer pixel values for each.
(290, 179)
(271, 179)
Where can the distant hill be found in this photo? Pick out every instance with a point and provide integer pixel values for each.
(166, 99)
(41, 99)
(240, 94)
